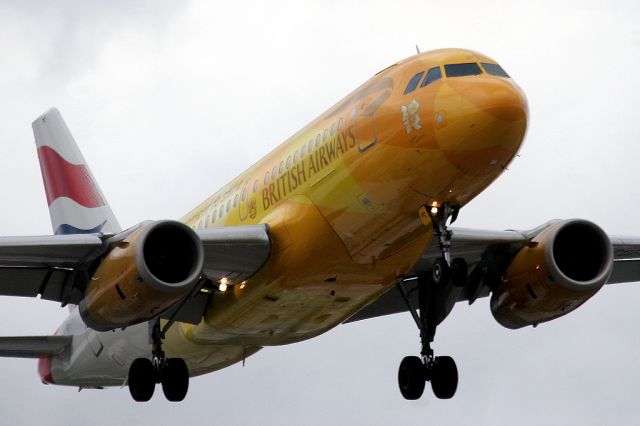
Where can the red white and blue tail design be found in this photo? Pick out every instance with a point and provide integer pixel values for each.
(76, 204)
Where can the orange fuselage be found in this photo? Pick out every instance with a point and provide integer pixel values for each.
(341, 198)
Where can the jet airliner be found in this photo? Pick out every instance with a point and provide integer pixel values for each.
(348, 219)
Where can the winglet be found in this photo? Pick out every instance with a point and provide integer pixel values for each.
(76, 203)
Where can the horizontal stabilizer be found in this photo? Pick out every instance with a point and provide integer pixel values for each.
(33, 346)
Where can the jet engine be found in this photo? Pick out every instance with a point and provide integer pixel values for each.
(559, 270)
(147, 271)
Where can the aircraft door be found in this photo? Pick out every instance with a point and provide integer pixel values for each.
(244, 202)
(364, 113)
(247, 208)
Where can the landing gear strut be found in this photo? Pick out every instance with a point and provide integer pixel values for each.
(414, 371)
(171, 372)
(441, 371)
(444, 269)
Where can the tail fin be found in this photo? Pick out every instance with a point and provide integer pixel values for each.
(76, 204)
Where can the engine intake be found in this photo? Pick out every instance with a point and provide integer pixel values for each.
(559, 270)
(146, 272)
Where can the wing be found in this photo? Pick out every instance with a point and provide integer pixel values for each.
(234, 253)
(58, 267)
(51, 266)
(490, 250)
(626, 267)
(33, 346)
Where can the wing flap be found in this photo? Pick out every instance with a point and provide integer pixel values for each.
(33, 346)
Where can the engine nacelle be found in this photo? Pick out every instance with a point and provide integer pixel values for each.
(559, 270)
(145, 273)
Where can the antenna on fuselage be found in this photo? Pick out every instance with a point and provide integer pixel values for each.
(417, 49)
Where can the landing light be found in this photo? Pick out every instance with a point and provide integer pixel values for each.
(223, 284)
(434, 210)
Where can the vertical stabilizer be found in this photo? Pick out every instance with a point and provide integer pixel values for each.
(76, 204)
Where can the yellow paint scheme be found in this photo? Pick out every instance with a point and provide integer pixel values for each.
(529, 293)
(116, 295)
(342, 197)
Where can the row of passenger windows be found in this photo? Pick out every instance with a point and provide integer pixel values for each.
(273, 173)
(299, 153)
(453, 70)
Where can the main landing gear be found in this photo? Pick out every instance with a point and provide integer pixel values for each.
(441, 371)
(145, 373)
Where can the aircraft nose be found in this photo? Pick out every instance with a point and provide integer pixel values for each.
(485, 123)
(499, 98)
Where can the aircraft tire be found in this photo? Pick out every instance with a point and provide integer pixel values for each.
(141, 380)
(459, 272)
(441, 273)
(444, 377)
(411, 377)
(175, 379)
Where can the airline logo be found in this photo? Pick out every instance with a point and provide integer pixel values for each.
(76, 204)
(410, 117)
(63, 179)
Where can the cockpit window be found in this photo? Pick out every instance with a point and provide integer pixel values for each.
(413, 83)
(494, 69)
(434, 74)
(461, 70)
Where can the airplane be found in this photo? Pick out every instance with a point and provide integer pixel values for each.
(348, 219)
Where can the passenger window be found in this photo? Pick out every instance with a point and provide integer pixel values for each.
(310, 146)
(326, 135)
(494, 69)
(281, 166)
(266, 177)
(295, 156)
(221, 212)
(462, 70)
(434, 74)
(333, 129)
(288, 161)
(413, 83)
(318, 140)
(255, 186)
(206, 221)
(228, 206)
(273, 172)
(340, 124)
(244, 193)
(235, 200)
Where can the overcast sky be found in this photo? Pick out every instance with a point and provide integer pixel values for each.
(169, 100)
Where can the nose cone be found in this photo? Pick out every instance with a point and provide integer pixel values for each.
(497, 97)
(486, 120)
